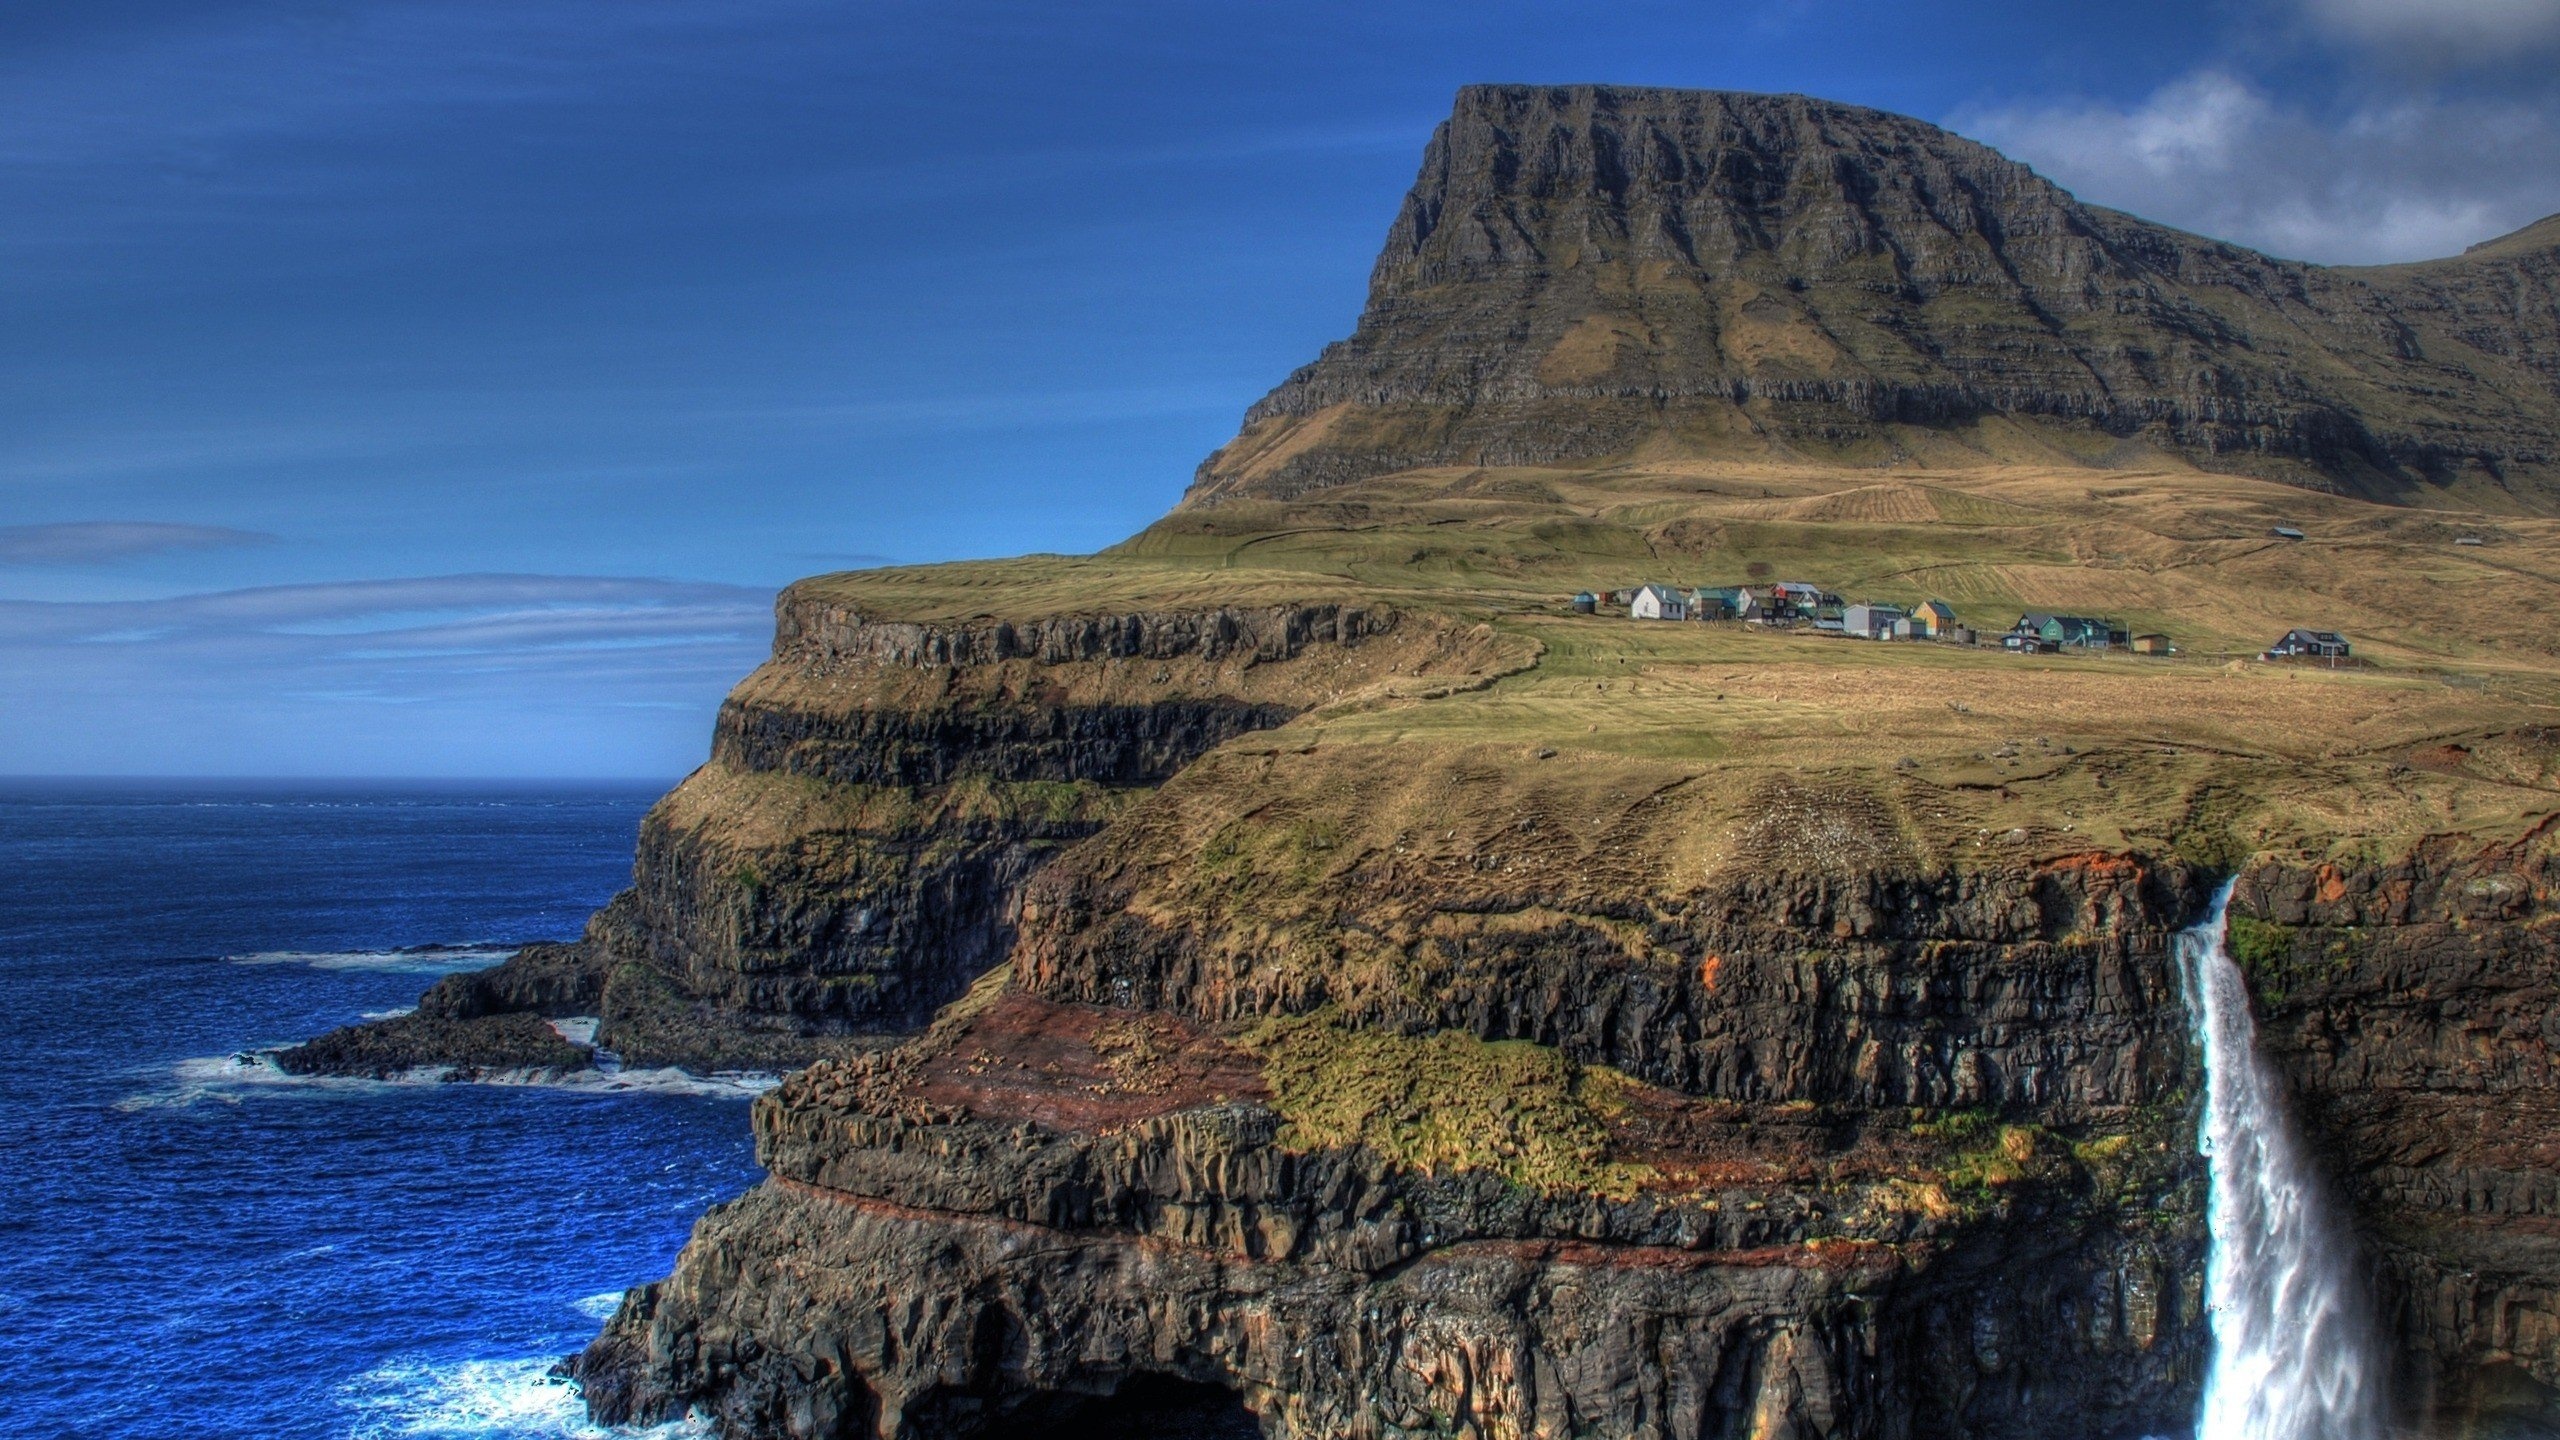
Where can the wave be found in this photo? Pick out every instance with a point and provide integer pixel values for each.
(719, 1084)
(231, 1079)
(599, 1308)
(402, 960)
(482, 1400)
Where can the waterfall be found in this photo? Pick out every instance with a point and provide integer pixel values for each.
(2293, 1355)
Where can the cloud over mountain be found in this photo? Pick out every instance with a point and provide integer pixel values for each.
(2406, 178)
(2443, 31)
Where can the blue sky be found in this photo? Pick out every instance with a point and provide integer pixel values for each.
(444, 388)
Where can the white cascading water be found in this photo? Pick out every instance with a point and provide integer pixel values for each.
(2294, 1357)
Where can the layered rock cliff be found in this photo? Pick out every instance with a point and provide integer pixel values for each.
(1590, 273)
(1351, 1091)
(1840, 1213)
(877, 796)
(1302, 1131)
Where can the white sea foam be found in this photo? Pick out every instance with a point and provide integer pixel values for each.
(413, 960)
(720, 1084)
(579, 1030)
(230, 1079)
(481, 1400)
(599, 1308)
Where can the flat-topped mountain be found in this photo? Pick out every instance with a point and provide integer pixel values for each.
(1587, 273)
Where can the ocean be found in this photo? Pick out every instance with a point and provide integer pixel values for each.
(192, 1246)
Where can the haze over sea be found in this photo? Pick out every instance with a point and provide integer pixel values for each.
(189, 1246)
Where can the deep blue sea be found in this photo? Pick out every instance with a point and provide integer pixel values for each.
(189, 1247)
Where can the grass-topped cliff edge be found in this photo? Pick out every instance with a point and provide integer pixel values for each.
(2447, 728)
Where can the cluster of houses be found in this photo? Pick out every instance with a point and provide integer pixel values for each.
(1789, 603)
(1785, 603)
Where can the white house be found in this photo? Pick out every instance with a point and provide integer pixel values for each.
(1872, 622)
(1659, 602)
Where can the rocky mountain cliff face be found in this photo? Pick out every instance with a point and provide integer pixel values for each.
(1589, 273)
(1414, 1090)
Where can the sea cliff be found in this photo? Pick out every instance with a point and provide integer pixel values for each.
(1534, 1152)
(1295, 974)
(877, 796)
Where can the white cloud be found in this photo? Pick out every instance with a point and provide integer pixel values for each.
(2406, 180)
(93, 542)
(2442, 31)
(455, 674)
(506, 612)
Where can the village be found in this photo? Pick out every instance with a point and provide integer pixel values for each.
(1790, 604)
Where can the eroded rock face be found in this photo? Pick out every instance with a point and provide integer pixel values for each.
(814, 633)
(1876, 1155)
(1582, 272)
(1343, 1090)
(2040, 992)
(1046, 1198)
(1481, 1338)
(963, 1235)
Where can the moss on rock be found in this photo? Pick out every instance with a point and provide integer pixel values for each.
(1447, 1101)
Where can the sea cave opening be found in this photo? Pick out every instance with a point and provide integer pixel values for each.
(1143, 1407)
(1156, 1407)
